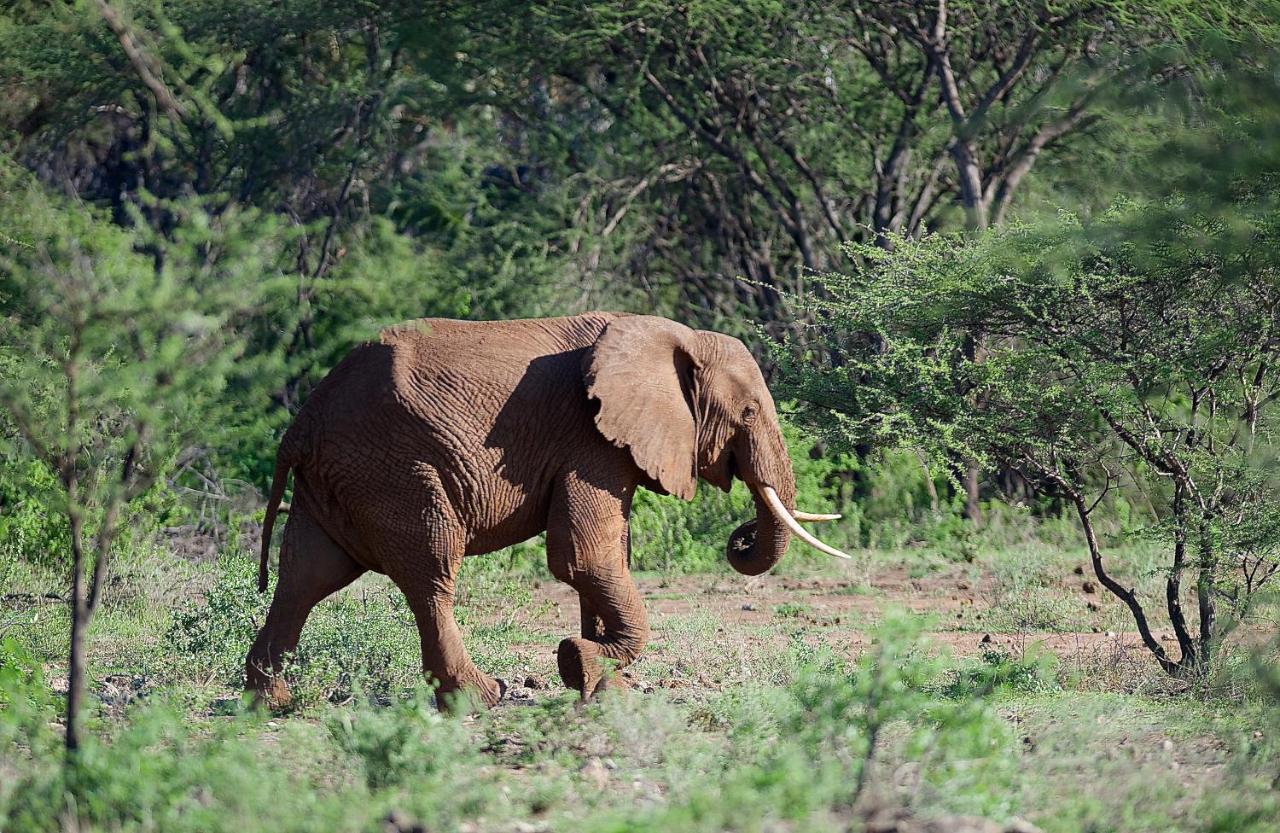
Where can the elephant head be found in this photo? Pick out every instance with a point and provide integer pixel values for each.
(690, 404)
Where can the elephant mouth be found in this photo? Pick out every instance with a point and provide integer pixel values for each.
(730, 466)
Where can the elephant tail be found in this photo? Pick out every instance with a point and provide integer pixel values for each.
(278, 481)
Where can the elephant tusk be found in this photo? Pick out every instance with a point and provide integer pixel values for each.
(813, 516)
(782, 514)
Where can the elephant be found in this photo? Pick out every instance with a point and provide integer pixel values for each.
(445, 439)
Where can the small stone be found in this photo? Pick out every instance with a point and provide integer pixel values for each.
(398, 822)
(986, 639)
(595, 773)
(748, 606)
(1021, 826)
(1079, 570)
(535, 682)
(1166, 745)
(1089, 587)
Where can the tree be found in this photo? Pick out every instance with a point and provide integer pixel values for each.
(354, 125)
(1137, 351)
(113, 344)
(752, 139)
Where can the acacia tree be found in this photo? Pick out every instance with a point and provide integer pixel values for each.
(752, 139)
(1135, 352)
(113, 344)
(1110, 365)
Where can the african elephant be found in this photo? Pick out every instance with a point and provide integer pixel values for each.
(445, 439)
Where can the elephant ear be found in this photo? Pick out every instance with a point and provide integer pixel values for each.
(642, 375)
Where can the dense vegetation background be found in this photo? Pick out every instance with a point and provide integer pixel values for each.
(1011, 267)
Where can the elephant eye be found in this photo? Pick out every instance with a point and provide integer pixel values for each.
(749, 413)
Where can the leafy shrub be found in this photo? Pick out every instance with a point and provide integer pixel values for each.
(216, 633)
(28, 529)
(410, 739)
(360, 641)
(999, 671)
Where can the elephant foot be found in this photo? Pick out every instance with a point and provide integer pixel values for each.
(486, 691)
(582, 668)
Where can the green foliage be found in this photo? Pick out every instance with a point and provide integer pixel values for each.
(410, 742)
(28, 530)
(797, 751)
(999, 671)
(357, 644)
(1130, 352)
(212, 634)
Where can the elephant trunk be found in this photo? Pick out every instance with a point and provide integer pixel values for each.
(757, 546)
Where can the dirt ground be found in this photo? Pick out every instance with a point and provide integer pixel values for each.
(969, 616)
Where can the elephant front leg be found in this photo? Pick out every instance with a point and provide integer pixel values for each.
(586, 548)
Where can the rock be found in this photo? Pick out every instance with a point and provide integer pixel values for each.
(534, 682)
(986, 639)
(1079, 570)
(595, 772)
(519, 694)
(748, 606)
(1089, 587)
(398, 822)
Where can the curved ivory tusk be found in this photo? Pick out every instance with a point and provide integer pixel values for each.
(813, 516)
(781, 513)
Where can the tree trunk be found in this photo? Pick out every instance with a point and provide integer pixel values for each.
(76, 669)
(81, 609)
(972, 511)
(1204, 596)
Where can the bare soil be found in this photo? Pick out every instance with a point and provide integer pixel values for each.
(842, 611)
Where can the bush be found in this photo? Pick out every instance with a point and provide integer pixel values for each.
(28, 530)
(410, 740)
(354, 643)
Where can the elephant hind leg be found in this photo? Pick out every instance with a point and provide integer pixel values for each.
(422, 554)
(312, 567)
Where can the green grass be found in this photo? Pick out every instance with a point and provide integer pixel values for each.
(754, 723)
